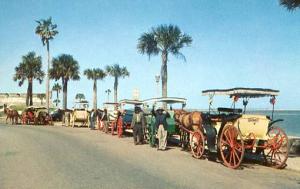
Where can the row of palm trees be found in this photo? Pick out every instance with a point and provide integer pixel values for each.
(64, 68)
(163, 40)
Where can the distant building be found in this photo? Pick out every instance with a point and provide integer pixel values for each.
(20, 99)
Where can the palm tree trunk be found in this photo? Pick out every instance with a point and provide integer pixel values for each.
(95, 95)
(56, 98)
(65, 92)
(116, 90)
(164, 74)
(47, 77)
(30, 91)
(27, 95)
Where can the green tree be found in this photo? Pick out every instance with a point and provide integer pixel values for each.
(29, 69)
(95, 74)
(117, 72)
(46, 30)
(56, 101)
(56, 87)
(164, 40)
(80, 97)
(290, 4)
(66, 68)
(41, 96)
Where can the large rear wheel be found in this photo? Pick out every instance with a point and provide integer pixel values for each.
(231, 146)
(197, 144)
(276, 152)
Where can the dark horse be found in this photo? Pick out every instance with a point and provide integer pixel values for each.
(11, 114)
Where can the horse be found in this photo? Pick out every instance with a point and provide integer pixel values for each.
(11, 114)
(192, 121)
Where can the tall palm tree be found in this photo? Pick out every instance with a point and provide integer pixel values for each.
(290, 4)
(66, 68)
(80, 97)
(164, 40)
(95, 74)
(56, 87)
(117, 72)
(46, 30)
(29, 69)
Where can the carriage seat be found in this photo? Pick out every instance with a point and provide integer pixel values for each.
(221, 117)
(230, 110)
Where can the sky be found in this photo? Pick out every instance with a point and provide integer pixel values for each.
(250, 43)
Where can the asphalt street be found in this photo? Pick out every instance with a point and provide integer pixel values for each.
(70, 158)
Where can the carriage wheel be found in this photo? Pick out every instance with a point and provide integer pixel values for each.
(276, 152)
(231, 146)
(197, 144)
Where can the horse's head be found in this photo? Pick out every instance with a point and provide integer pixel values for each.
(178, 113)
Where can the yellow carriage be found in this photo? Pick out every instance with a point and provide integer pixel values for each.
(233, 132)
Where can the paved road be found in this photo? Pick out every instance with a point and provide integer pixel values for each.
(58, 157)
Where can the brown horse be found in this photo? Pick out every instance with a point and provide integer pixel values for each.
(11, 114)
(190, 120)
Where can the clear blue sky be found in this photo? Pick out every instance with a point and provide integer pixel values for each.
(250, 43)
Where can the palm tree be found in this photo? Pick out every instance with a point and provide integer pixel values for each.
(164, 40)
(117, 72)
(95, 74)
(108, 91)
(56, 87)
(290, 4)
(56, 101)
(29, 69)
(80, 97)
(41, 96)
(46, 30)
(64, 67)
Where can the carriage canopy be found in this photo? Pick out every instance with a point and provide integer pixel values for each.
(128, 101)
(242, 92)
(168, 100)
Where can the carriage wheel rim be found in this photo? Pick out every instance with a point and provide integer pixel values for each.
(231, 149)
(197, 144)
(274, 151)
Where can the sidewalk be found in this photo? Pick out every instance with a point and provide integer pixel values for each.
(293, 163)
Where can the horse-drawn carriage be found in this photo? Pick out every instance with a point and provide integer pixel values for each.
(169, 103)
(36, 115)
(127, 112)
(232, 133)
(80, 114)
(112, 114)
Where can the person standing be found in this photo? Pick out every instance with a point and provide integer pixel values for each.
(161, 127)
(92, 119)
(104, 119)
(137, 124)
(119, 124)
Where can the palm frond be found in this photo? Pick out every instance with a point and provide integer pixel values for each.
(64, 66)
(148, 45)
(290, 4)
(29, 68)
(46, 30)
